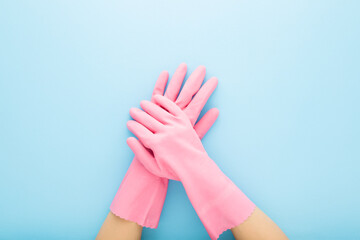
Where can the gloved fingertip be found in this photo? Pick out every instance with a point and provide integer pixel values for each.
(145, 102)
(215, 80)
(130, 124)
(131, 141)
(215, 112)
(201, 68)
(158, 97)
(132, 111)
(165, 73)
(182, 65)
(134, 144)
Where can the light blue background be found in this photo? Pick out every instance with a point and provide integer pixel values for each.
(288, 95)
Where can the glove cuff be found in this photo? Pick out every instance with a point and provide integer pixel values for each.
(228, 211)
(140, 197)
(219, 203)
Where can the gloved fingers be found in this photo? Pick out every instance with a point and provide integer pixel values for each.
(138, 149)
(141, 132)
(168, 105)
(155, 111)
(144, 155)
(160, 84)
(145, 119)
(176, 81)
(191, 87)
(206, 122)
(198, 102)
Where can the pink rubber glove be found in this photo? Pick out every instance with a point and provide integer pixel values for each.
(141, 195)
(177, 153)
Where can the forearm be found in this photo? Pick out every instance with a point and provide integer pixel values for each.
(258, 227)
(116, 228)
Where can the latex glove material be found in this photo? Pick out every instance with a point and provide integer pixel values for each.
(179, 154)
(141, 195)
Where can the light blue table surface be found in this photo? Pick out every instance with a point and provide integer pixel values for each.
(288, 95)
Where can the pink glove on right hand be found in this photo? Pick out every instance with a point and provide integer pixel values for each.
(177, 153)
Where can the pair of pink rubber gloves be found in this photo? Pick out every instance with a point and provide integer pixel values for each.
(170, 148)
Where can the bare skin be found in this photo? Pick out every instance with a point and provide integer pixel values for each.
(258, 226)
(115, 228)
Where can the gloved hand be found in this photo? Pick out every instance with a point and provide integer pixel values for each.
(141, 195)
(177, 153)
